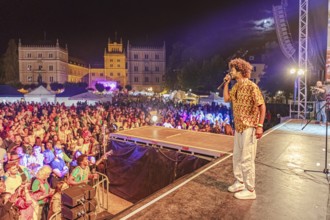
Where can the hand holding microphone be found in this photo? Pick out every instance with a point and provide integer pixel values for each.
(226, 80)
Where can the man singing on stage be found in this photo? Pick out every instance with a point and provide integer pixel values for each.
(249, 111)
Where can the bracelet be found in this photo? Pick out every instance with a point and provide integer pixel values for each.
(260, 125)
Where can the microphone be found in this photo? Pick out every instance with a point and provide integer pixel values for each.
(224, 81)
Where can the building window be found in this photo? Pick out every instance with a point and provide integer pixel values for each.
(157, 57)
(50, 55)
(118, 60)
(146, 68)
(29, 55)
(157, 79)
(29, 67)
(40, 67)
(51, 79)
(118, 74)
(111, 65)
(111, 60)
(163, 78)
(136, 56)
(50, 68)
(136, 79)
(93, 74)
(39, 55)
(101, 74)
(254, 69)
(146, 56)
(29, 78)
(111, 74)
(146, 79)
(136, 68)
(157, 68)
(118, 65)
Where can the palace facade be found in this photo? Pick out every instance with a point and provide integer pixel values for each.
(140, 67)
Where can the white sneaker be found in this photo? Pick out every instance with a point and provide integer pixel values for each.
(236, 187)
(245, 194)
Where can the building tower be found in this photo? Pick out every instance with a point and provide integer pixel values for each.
(114, 62)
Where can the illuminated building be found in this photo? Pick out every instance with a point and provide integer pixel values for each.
(141, 67)
(114, 63)
(42, 62)
(146, 67)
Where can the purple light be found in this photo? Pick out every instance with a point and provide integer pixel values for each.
(111, 84)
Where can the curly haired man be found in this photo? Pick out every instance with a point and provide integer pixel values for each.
(249, 111)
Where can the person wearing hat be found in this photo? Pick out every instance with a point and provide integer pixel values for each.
(23, 171)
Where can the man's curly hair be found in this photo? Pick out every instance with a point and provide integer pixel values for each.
(241, 66)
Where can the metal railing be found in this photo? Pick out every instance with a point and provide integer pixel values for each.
(102, 184)
(294, 111)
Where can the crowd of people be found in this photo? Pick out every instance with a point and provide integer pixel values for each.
(46, 148)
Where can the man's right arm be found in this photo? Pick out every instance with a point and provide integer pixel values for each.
(226, 95)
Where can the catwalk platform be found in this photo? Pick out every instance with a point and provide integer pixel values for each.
(284, 190)
(192, 142)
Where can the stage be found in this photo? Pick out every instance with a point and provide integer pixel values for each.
(284, 190)
(191, 142)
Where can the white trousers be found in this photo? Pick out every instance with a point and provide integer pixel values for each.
(245, 148)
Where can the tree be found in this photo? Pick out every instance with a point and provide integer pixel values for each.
(128, 87)
(119, 87)
(99, 87)
(10, 62)
(2, 71)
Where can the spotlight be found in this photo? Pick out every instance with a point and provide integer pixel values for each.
(301, 72)
(293, 71)
(154, 118)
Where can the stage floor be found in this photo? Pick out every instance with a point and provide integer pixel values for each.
(208, 144)
(284, 190)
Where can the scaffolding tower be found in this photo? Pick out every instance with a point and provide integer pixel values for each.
(302, 59)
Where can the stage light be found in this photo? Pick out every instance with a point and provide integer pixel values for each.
(154, 118)
(300, 72)
(293, 71)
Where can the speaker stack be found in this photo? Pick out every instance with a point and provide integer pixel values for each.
(78, 202)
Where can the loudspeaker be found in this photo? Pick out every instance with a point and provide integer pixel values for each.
(80, 210)
(73, 195)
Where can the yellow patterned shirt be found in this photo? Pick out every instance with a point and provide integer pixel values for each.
(246, 97)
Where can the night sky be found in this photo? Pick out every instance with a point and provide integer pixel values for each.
(86, 26)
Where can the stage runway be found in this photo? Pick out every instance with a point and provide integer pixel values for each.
(284, 190)
(207, 144)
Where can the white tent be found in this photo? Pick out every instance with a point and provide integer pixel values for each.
(40, 94)
(213, 97)
(92, 98)
(86, 96)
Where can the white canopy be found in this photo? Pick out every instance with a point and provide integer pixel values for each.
(40, 94)
(86, 96)
(90, 96)
(213, 97)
